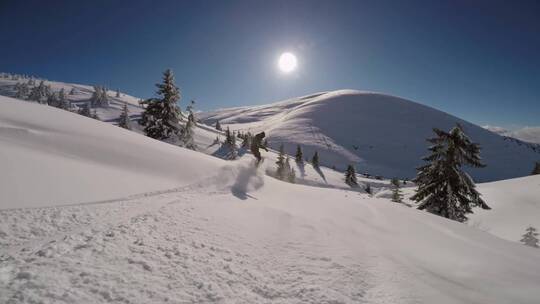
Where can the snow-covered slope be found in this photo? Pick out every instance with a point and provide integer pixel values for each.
(515, 206)
(50, 156)
(381, 134)
(224, 231)
(527, 134)
(81, 96)
(276, 243)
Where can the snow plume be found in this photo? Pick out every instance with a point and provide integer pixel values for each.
(241, 177)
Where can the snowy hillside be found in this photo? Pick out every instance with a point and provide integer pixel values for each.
(515, 203)
(65, 158)
(80, 97)
(221, 231)
(527, 134)
(381, 134)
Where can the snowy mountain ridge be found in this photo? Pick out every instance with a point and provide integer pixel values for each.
(379, 134)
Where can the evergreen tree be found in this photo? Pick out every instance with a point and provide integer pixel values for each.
(315, 160)
(536, 169)
(443, 188)
(124, 121)
(247, 140)
(161, 115)
(397, 197)
(72, 91)
(299, 156)
(99, 97)
(228, 137)
(530, 237)
(22, 90)
(281, 171)
(368, 189)
(85, 110)
(63, 102)
(38, 93)
(230, 144)
(186, 135)
(117, 93)
(52, 99)
(350, 177)
(218, 126)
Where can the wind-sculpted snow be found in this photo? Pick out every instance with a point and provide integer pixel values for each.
(380, 134)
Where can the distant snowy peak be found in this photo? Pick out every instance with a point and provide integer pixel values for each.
(380, 134)
(527, 134)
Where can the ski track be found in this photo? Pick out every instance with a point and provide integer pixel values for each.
(164, 247)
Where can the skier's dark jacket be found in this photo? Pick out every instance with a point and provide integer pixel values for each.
(256, 143)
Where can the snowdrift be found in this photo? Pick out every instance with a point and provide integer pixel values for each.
(515, 206)
(380, 134)
(50, 156)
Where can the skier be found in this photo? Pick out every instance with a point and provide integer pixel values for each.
(256, 143)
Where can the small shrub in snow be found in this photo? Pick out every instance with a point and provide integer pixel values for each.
(530, 238)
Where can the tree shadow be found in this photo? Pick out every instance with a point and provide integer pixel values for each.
(319, 171)
(302, 168)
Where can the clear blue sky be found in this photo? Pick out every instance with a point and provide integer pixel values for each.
(479, 60)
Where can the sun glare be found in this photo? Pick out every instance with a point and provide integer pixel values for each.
(287, 62)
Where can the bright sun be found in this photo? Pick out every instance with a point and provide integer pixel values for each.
(287, 62)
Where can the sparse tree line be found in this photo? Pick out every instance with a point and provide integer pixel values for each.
(34, 89)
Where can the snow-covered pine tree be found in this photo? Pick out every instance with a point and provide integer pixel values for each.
(38, 93)
(397, 197)
(530, 238)
(21, 91)
(218, 126)
(368, 189)
(63, 102)
(85, 110)
(228, 136)
(315, 160)
(229, 145)
(281, 170)
(443, 188)
(246, 143)
(161, 115)
(299, 156)
(117, 93)
(186, 135)
(99, 97)
(52, 99)
(124, 121)
(350, 176)
(536, 169)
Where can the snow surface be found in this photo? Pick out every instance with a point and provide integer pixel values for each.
(50, 156)
(527, 134)
(82, 96)
(381, 134)
(221, 231)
